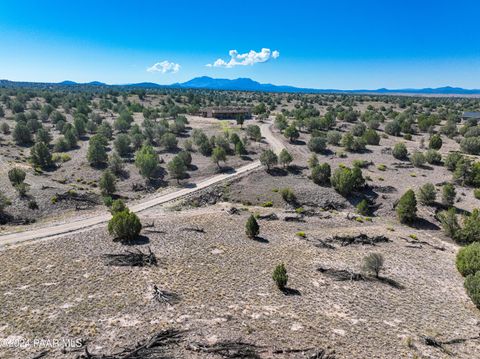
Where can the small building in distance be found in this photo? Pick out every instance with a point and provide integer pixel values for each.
(471, 116)
(226, 113)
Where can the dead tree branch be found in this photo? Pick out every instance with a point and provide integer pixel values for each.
(227, 349)
(131, 258)
(153, 348)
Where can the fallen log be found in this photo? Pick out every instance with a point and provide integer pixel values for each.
(193, 229)
(268, 217)
(130, 258)
(341, 274)
(164, 297)
(293, 219)
(41, 355)
(363, 239)
(153, 348)
(233, 210)
(440, 344)
(227, 349)
(419, 243)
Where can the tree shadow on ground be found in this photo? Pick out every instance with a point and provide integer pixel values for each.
(99, 166)
(189, 185)
(246, 158)
(422, 223)
(261, 239)
(277, 172)
(139, 240)
(290, 291)
(192, 167)
(389, 281)
(298, 143)
(226, 169)
(295, 169)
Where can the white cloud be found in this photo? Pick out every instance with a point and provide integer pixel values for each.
(164, 67)
(249, 58)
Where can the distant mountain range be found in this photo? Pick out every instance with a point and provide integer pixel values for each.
(246, 84)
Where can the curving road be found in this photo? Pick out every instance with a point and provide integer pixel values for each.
(77, 225)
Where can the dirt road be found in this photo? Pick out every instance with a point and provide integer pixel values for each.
(77, 225)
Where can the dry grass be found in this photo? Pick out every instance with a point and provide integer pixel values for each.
(61, 288)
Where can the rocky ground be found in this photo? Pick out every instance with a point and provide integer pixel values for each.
(62, 288)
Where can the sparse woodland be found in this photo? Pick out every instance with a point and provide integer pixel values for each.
(372, 197)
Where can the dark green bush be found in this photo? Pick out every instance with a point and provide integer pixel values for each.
(472, 285)
(427, 194)
(407, 207)
(468, 259)
(435, 142)
(280, 276)
(252, 229)
(400, 151)
(321, 174)
(124, 226)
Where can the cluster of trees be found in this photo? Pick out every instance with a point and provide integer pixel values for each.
(344, 180)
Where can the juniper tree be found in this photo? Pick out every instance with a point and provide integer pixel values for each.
(252, 229)
(407, 207)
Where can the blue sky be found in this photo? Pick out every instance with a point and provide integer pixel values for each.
(321, 44)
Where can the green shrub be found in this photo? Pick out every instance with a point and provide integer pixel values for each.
(107, 201)
(267, 204)
(117, 206)
(400, 151)
(124, 226)
(476, 193)
(471, 145)
(317, 144)
(373, 263)
(452, 159)
(16, 176)
(280, 276)
(472, 285)
(359, 129)
(382, 167)
(363, 208)
(346, 180)
(407, 207)
(285, 158)
(334, 137)
(288, 195)
(291, 132)
(301, 234)
(40, 156)
(361, 163)
(312, 161)
(268, 158)
(435, 142)
(448, 194)
(470, 231)
(468, 259)
(177, 169)
(146, 161)
(252, 229)
(97, 152)
(393, 128)
(449, 222)
(433, 157)
(122, 145)
(417, 159)
(371, 137)
(321, 174)
(427, 194)
(107, 183)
